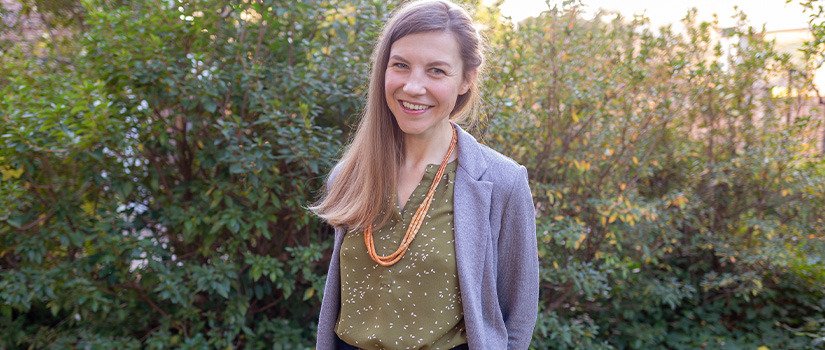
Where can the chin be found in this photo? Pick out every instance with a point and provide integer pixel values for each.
(413, 128)
(408, 130)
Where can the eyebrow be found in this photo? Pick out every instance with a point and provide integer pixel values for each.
(431, 64)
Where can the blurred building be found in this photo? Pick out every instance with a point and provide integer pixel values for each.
(26, 28)
(791, 42)
(799, 85)
(17, 27)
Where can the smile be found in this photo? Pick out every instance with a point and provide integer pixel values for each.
(413, 106)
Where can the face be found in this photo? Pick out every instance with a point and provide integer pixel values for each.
(423, 79)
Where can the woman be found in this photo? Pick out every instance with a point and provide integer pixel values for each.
(435, 243)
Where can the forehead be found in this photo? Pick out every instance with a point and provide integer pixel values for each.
(428, 47)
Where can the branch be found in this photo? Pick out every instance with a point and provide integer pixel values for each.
(141, 294)
(568, 290)
(35, 222)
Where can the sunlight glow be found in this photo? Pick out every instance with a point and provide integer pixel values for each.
(775, 14)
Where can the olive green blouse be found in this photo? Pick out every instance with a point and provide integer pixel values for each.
(416, 303)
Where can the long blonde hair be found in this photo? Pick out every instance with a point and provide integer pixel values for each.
(363, 188)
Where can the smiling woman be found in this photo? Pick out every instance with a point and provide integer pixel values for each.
(423, 80)
(435, 243)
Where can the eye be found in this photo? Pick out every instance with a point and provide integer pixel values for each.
(438, 71)
(400, 65)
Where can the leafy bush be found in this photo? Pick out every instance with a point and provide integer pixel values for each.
(157, 160)
(155, 185)
(678, 199)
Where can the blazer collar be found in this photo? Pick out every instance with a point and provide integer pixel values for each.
(470, 157)
(471, 207)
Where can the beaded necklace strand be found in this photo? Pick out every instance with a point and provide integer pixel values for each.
(417, 220)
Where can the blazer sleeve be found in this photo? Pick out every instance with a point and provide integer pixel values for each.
(518, 264)
(331, 300)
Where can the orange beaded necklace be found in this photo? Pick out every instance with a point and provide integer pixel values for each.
(417, 220)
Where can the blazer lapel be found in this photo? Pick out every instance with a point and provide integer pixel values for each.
(471, 198)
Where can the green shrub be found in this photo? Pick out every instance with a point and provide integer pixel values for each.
(678, 200)
(156, 164)
(154, 185)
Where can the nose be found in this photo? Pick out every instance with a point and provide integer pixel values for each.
(415, 84)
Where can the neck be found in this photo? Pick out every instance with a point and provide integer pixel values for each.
(420, 150)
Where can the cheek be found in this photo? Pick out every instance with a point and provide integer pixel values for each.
(449, 93)
(389, 84)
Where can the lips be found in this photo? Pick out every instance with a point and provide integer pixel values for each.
(414, 106)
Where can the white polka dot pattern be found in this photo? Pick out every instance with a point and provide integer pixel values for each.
(414, 304)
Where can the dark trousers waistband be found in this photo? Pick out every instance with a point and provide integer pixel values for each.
(344, 346)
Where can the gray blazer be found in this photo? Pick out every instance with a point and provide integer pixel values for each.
(496, 252)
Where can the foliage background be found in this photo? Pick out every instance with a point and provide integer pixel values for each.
(156, 159)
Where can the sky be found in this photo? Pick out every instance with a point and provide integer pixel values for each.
(775, 14)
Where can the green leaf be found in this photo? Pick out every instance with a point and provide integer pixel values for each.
(255, 272)
(209, 105)
(15, 221)
(308, 293)
(234, 225)
(127, 189)
(77, 238)
(304, 109)
(236, 168)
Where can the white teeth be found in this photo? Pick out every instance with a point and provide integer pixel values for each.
(412, 106)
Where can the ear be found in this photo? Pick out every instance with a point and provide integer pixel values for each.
(469, 80)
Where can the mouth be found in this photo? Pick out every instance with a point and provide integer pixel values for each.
(414, 107)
